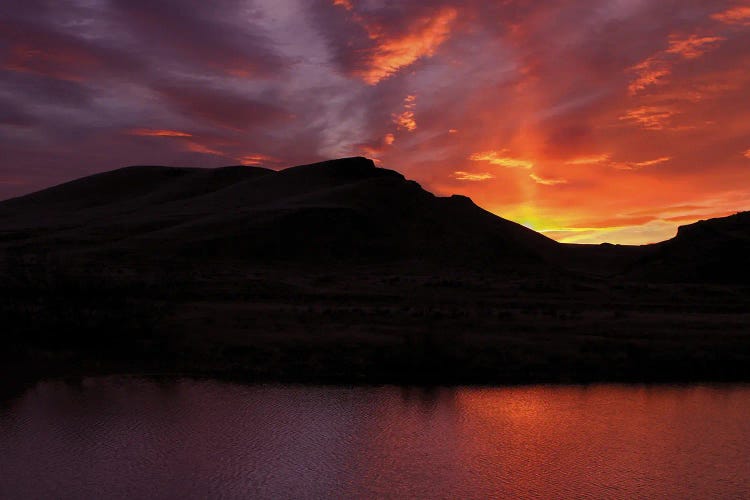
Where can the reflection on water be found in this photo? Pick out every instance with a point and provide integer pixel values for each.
(104, 438)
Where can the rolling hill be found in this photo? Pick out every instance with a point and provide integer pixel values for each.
(345, 209)
(710, 251)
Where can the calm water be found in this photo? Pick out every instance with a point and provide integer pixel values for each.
(130, 438)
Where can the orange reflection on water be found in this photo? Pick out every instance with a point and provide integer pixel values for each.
(220, 440)
(539, 441)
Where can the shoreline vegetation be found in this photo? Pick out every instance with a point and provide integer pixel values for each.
(366, 326)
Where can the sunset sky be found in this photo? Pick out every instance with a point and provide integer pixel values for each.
(589, 120)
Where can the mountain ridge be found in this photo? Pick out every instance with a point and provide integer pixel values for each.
(347, 208)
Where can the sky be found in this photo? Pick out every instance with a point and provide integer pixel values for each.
(588, 120)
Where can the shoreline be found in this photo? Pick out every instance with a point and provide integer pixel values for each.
(17, 381)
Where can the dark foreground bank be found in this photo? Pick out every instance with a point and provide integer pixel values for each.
(369, 326)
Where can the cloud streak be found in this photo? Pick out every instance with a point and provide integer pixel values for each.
(499, 158)
(739, 15)
(474, 177)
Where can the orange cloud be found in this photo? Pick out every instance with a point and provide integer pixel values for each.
(196, 147)
(736, 15)
(747, 154)
(655, 161)
(497, 158)
(466, 176)
(589, 160)
(656, 69)
(376, 148)
(405, 120)
(370, 152)
(693, 46)
(255, 159)
(149, 132)
(650, 117)
(647, 76)
(545, 181)
(393, 53)
(347, 4)
(252, 159)
(640, 164)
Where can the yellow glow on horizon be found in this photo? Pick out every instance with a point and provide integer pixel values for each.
(565, 228)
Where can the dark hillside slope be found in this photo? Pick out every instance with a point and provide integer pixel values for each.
(339, 209)
(122, 187)
(708, 251)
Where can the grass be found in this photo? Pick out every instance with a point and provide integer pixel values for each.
(362, 325)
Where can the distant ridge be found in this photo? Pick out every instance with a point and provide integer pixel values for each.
(343, 210)
(713, 250)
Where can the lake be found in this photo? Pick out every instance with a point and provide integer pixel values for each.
(136, 438)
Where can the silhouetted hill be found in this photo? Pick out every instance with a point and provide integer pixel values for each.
(713, 251)
(345, 210)
(340, 209)
(341, 272)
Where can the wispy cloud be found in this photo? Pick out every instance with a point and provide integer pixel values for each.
(474, 177)
(692, 46)
(589, 160)
(545, 181)
(149, 132)
(633, 165)
(735, 15)
(392, 52)
(499, 158)
(347, 4)
(656, 69)
(405, 119)
(256, 159)
(649, 72)
(650, 117)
